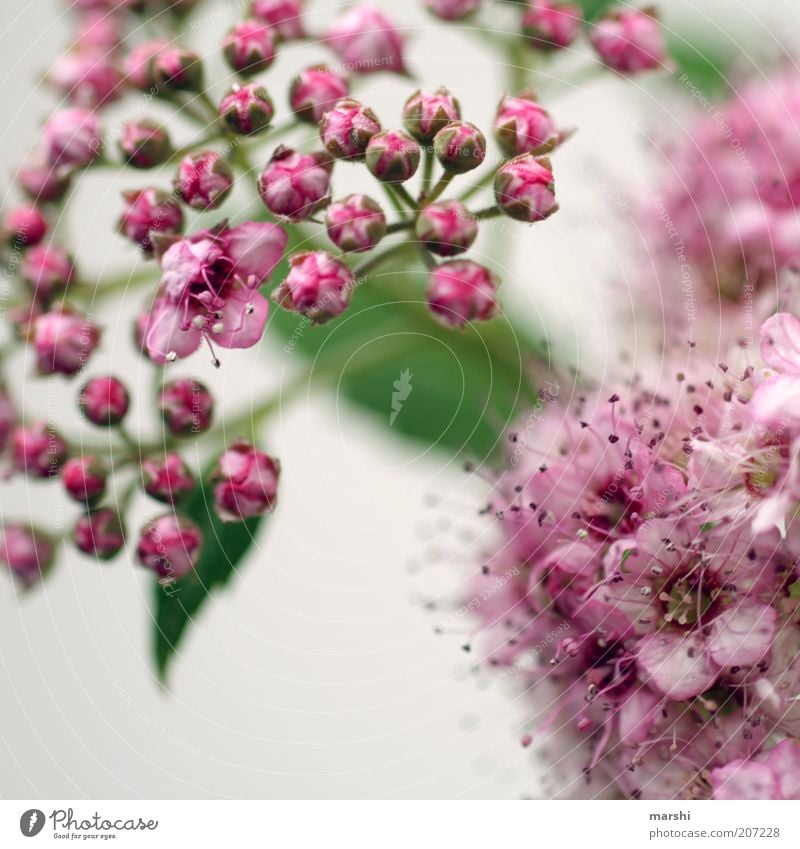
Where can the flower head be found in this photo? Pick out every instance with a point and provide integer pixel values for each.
(294, 185)
(245, 482)
(524, 188)
(318, 286)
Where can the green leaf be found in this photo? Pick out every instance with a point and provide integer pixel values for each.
(703, 66)
(176, 605)
(592, 9)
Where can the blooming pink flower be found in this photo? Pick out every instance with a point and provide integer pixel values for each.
(84, 478)
(392, 156)
(551, 25)
(367, 41)
(461, 291)
(629, 40)
(26, 551)
(250, 47)
(88, 78)
(315, 91)
(104, 401)
(186, 406)
(63, 341)
(48, 270)
(776, 402)
(38, 450)
(356, 223)
(149, 213)
(167, 478)
(318, 286)
(425, 114)
(524, 189)
(347, 128)
(771, 775)
(247, 109)
(100, 533)
(452, 10)
(521, 125)
(209, 289)
(24, 226)
(284, 16)
(72, 137)
(460, 147)
(170, 546)
(446, 228)
(245, 482)
(144, 144)
(204, 180)
(295, 185)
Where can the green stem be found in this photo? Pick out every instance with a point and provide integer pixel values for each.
(444, 182)
(475, 188)
(404, 196)
(488, 212)
(397, 226)
(378, 259)
(398, 207)
(427, 172)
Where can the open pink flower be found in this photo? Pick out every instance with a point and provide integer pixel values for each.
(776, 402)
(771, 775)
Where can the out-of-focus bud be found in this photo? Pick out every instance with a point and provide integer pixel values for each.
(204, 180)
(460, 147)
(100, 533)
(43, 182)
(629, 40)
(23, 227)
(48, 270)
(446, 228)
(452, 10)
(38, 450)
(245, 482)
(104, 401)
(98, 31)
(8, 417)
(550, 24)
(392, 156)
(295, 185)
(186, 407)
(316, 90)
(318, 286)
(521, 125)
(170, 546)
(250, 47)
(247, 109)
(138, 64)
(84, 478)
(366, 41)
(63, 341)
(167, 478)
(346, 129)
(175, 69)
(144, 144)
(461, 291)
(356, 223)
(87, 78)
(284, 16)
(425, 114)
(26, 551)
(72, 138)
(148, 212)
(524, 188)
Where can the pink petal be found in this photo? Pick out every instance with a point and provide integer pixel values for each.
(776, 402)
(742, 635)
(637, 716)
(255, 248)
(780, 342)
(575, 558)
(243, 318)
(744, 780)
(163, 334)
(676, 665)
(784, 761)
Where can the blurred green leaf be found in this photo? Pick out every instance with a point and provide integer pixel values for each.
(592, 9)
(705, 64)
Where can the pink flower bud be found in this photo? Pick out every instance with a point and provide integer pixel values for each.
(523, 126)
(98, 31)
(250, 47)
(38, 450)
(144, 144)
(461, 291)
(43, 182)
(551, 25)
(167, 478)
(356, 223)
(170, 546)
(247, 109)
(84, 478)
(149, 212)
(204, 180)
(104, 401)
(24, 226)
(100, 533)
(26, 551)
(346, 129)
(63, 341)
(48, 270)
(392, 156)
(72, 137)
(425, 114)
(295, 185)
(318, 286)
(452, 10)
(524, 190)
(629, 40)
(8, 418)
(315, 91)
(446, 228)
(284, 16)
(186, 407)
(87, 78)
(175, 69)
(367, 41)
(245, 482)
(138, 64)
(460, 147)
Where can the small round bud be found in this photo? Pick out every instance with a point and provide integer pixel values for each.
(100, 533)
(87, 78)
(84, 478)
(63, 341)
(367, 41)
(460, 147)
(167, 478)
(356, 223)
(186, 407)
(318, 286)
(204, 180)
(346, 129)
(170, 546)
(38, 450)
(72, 138)
(551, 25)
(104, 401)
(23, 227)
(521, 125)
(425, 114)
(97, 30)
(138, 65)
(26, 551)
(452, 10)
(144, 144)
(446, 228)
(43, 182)
(524, 189)
(295, 185)
(461, 291)
(392, 156)
(629, 40)
(316, 90)
(48, 270)
(247, 109)
(284, 16)
(149, 212)
(250, 47)
(177, 69)
(245, 482)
